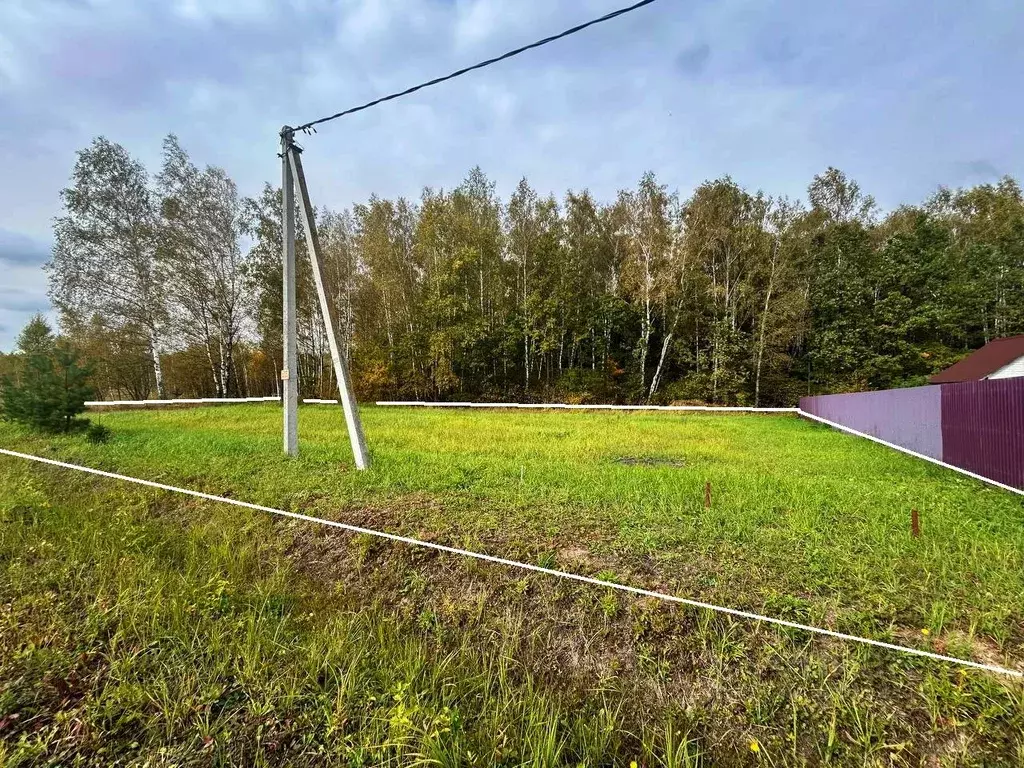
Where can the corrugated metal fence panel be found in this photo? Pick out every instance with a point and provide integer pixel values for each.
(983, 428)
(907, 417)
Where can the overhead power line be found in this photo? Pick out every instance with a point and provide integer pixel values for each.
(571, 31)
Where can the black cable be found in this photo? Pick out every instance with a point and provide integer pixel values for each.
(607, 17)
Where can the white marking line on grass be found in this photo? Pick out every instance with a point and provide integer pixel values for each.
(915, 454)
(575, 407)
(522, 566)
(185, 400)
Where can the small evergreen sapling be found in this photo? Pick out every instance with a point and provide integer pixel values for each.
(50, 393)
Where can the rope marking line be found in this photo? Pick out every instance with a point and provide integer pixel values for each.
(575, 407)
(182, 400)
(522, 566)
(428, 404)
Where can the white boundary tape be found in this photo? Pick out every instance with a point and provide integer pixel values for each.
(915, 454)
(428, 404)
(183, 400)
(525, 566)
(202, 401)
(574, 407)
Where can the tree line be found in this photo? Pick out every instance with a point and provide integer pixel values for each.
(169, 284)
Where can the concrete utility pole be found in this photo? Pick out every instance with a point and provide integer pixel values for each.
(295, 179)
(289, 374)
(348, 398)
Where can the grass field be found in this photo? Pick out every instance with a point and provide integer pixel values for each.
(136, 621)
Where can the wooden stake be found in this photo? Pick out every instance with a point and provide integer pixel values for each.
(915, 524)
(707, 495)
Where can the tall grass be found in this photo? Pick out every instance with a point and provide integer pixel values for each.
(128, 636)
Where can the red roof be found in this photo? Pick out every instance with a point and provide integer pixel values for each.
(983, 362)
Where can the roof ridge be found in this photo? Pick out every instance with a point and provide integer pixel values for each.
(983, 361)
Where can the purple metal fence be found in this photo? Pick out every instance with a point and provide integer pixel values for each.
(977, 426)
(907, 417)
(983, 428)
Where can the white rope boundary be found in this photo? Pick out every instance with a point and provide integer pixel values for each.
(182, 401)
(575, 407)
(202, 401)
(915, 454)
(431, 404)
(523, 566)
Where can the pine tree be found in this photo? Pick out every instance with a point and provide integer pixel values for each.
(50, 393)
(36, 336)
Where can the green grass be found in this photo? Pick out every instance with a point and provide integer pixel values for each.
(126, 636)
(805, 523)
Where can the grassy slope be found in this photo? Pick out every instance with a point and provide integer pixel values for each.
(129, 638)
(805, 523)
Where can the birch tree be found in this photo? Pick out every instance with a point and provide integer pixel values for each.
(724, 233)
(589, 265)
(647, 242)
(105, 257)
(673, 283)
(262, 273)
(778, 284)
(199, 243)
(733, 296)
(446, 300)
(389, 293)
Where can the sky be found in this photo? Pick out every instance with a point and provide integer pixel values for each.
(902, 96)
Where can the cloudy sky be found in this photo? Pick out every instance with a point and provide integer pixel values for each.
(902, 95)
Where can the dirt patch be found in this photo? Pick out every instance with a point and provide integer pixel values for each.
(575, 635)
(959, 644)
(649, 461)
